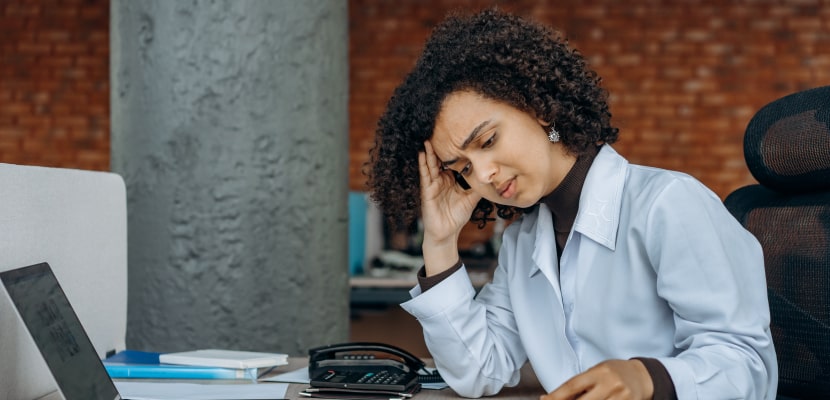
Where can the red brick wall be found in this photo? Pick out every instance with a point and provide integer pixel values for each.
(54, 83)
(685, 76)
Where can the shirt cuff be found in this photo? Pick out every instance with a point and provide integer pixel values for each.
(426, 282)
(663, 385)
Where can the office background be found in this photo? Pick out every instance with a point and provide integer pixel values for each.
(207, 99)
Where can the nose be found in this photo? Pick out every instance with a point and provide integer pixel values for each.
(485, 171)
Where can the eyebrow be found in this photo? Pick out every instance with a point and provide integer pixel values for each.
(467, 141)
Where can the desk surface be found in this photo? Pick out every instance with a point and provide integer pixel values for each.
(528, 387)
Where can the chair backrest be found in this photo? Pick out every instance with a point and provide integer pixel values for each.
(77, 221)
(787, 149)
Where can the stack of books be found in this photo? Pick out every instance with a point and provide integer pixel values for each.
(197, 364)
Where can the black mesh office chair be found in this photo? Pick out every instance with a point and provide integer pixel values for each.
(787, 149)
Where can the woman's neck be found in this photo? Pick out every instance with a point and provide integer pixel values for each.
(563, 202)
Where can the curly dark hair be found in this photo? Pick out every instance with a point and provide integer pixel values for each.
(499, 56)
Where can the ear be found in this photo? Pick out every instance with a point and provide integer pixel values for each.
(542, 122)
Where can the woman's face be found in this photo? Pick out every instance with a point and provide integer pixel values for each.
(502, 152)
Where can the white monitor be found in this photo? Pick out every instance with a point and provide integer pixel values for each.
(77, 221)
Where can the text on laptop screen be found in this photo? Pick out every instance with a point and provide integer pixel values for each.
(58, 333)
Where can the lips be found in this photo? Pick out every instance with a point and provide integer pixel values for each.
(507, 189)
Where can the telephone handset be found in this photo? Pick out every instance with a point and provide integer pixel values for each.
(459, 179)
(366, 366)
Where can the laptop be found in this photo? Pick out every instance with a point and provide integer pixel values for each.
(50, 319)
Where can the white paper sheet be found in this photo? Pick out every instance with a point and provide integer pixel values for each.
(198, 391)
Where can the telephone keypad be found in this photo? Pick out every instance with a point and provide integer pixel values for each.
(383, 378)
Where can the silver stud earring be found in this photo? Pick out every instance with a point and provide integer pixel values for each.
(553, 134)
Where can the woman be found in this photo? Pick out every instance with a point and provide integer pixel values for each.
(614, 280)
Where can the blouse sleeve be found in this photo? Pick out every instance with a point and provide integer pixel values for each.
(710, 270)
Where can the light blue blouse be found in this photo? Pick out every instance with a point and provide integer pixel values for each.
(655, 266)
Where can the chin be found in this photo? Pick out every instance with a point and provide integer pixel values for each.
(512, 203)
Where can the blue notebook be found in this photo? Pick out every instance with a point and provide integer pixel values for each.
(143, 364)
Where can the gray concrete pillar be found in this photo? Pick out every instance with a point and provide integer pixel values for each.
(230, 128)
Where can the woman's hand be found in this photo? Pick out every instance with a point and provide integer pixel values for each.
(612, 379)
(445, 209)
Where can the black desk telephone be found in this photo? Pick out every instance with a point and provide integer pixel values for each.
(367, 366)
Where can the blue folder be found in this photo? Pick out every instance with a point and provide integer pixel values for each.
(143, 364)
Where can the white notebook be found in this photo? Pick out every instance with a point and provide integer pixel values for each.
(224, 358)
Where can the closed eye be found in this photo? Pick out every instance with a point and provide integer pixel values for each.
(466, 170)
(489, 142)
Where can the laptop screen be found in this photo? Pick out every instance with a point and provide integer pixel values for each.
(57, 332)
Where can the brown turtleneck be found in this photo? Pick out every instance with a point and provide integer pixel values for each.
(563, 203)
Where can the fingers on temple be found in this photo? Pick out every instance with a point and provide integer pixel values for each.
(422, 165)
(430, 160)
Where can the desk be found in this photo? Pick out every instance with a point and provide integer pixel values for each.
(528, 387)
